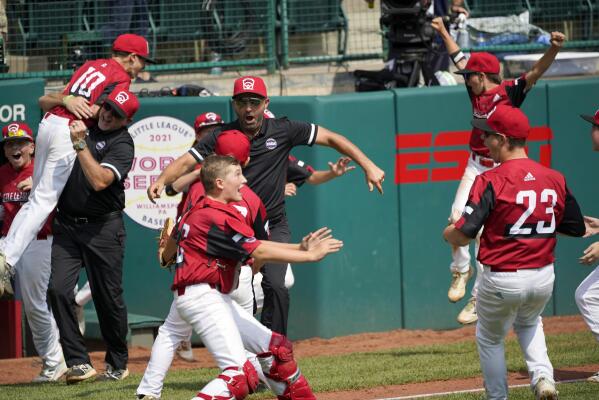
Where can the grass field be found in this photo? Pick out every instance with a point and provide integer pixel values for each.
(355, 371)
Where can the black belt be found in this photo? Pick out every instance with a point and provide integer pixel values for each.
(89, 220)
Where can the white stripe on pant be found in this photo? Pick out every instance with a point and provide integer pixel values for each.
(517, 299)
(587, 300)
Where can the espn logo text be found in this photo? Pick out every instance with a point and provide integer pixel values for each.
(422, 157)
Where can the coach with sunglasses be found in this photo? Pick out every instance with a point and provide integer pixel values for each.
(271, 141)
(89, 232)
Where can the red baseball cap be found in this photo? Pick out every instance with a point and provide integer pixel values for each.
(249, 84)
(505, 119)
(17, 130)
(233, 143)
(593, 119)
(207, 119)
(268, 114)
(123, 102)
(131, 43)
(481, 62)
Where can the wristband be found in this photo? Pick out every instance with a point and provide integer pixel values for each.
(457, 56)
(64, 99)
(170, 191)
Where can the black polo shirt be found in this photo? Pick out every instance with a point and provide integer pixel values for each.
(113, 150)
(269, 157)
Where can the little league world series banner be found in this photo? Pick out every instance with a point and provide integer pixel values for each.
(158, 142)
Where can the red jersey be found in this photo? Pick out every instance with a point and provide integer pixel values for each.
(94, 80)
(511, 92)
(522, 205)
(215, 241)
(251, 207)
(13, 198)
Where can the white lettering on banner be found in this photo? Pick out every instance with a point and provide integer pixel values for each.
(158, 142)
(12, 112)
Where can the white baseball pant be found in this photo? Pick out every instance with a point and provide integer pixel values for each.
(259, 293)
(54, 158)
(83, 295)
(461, 255)
(31, 286)
(175, 329)
(587, 300)
(517, 299)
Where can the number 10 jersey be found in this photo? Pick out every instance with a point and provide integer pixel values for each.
(522, 204)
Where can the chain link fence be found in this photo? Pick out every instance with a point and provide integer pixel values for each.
(48, 38)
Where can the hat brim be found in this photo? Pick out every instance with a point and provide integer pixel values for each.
(11, 138)
(148, 60)
(251, 93)
(589, 118)
(117, 108)
(465, 72)
(205, 124)
(482, 124)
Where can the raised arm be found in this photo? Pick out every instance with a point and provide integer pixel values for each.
(341, 167)
(537, 70)
(453, 49)
(174, 170)
(374, 175)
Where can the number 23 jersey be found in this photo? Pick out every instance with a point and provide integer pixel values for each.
(522, 204)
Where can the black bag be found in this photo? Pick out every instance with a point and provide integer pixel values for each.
(368, 81)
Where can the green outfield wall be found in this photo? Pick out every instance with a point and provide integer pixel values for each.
(393, 271)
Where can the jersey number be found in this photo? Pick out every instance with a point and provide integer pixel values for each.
(548, 197)
(87, 82)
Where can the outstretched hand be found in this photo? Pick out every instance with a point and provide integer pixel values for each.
(590, 255)
(375, 178)
(592, 226)
(342, 166)
(313, 238)
(326, 246)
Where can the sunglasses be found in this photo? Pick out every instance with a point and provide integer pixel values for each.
(108, 107)
(253, 102)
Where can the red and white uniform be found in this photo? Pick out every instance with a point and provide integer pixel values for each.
(511, 92)
(55, 154)
(522, 206)
(33, 269)
(215, 240)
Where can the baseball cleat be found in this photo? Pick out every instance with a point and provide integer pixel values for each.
(113, 374)
(80, 373)
(468, 314)
(459, 280)
(594, 378)
(51, 374)
(184, 351)
(545, 390)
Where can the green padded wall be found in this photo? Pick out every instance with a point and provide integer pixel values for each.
(18, 101)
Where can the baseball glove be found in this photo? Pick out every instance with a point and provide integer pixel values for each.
(167, 244)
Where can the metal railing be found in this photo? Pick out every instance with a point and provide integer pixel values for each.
(48, 38)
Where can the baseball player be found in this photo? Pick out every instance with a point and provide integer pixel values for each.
(31, 281)
(215, 239)
(236, 144)
(486, 89)
(523, 205)
(587, 293)
(272, 140)
(55, 154)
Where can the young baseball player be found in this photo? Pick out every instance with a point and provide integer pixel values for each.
(587, 293)
(236, 144)
(486, 89)
(215, 240)
(31, 281)
(523, 205)
(55, 154)
(272, 140)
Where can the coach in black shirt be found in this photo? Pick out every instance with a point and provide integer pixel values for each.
(272, 139)
(89, 231)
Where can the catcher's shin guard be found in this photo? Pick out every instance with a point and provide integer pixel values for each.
(238, 383)
(282, 371)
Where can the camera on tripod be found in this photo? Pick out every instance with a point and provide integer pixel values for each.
(407, 24)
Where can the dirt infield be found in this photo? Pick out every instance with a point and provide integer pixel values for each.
(24, 369)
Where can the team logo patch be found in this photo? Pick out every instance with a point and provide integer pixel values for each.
(211, 116)
(100, 145)
(13, 128)
(248, 84)
(122, 97)
(271, 144)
